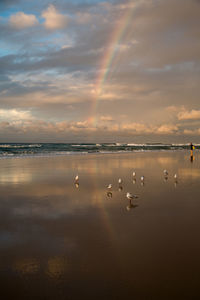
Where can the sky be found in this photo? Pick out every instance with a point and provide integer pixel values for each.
(100, 71)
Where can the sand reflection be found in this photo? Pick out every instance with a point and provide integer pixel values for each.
(26, 266)
(189, 173)
(56, 266)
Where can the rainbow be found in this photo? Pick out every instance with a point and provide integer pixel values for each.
(107, 60)
(103, 209)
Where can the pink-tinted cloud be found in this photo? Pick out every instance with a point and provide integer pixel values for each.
(189, 115)
(21, 20)
(54, 19)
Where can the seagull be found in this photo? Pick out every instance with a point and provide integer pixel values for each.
(76, 179)
(109, 186)
(175, 176)
(134, 174)
(120, 181)
(165, 172)
(142, 178)
(130, 196)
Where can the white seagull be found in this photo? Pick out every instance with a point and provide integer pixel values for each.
(109, 186)
(142, 178)
(165, 172)
(130, 196)
(175, 176)
(120, 181)
(76, 179)
(134, 174)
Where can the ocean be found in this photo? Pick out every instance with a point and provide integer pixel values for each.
(48, 149)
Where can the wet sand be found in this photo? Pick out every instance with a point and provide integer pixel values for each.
(59, 241)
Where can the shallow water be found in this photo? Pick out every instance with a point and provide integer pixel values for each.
(59, 241)
(9, 150)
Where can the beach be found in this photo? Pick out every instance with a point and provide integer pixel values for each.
(59, 240)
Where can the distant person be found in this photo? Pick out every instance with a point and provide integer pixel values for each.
(191, 152)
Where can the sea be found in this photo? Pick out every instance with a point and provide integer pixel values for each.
(9, 150)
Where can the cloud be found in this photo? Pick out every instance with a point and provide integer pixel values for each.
(20, 20)
(140, 128)
(106, 118)
(194, 132)
(15, 115)
(101, 67)
(53, 19)
(69, 127)
(167, 129)
(189, 115)
(136, 128)
(83, 17)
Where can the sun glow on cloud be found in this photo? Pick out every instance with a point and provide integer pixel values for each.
(189, 115)
(20, 20)
(15, 115)
(53, 19)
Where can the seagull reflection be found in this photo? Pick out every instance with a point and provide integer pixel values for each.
(134, 181)
(77, 185)
(165, 172)
(109, 194)
(120, 188)
(175, 180)
(120, 185)
(165, 178)
(142, 180)
(130, 205)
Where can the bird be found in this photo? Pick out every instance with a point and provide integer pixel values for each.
(130, 196)
(76, 179)
(176, 177)
(134, 174)
(142, 178)
(120, 181)
(165, 173)
(109, 187)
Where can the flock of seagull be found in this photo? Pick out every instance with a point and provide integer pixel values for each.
(129, 195)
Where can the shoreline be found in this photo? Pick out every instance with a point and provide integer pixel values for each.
(66, 154)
